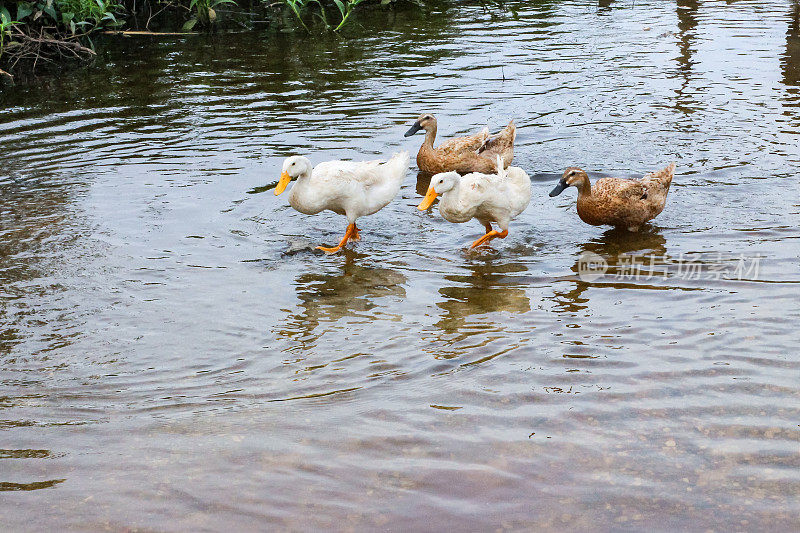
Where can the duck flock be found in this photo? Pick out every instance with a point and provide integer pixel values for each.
(474, 179)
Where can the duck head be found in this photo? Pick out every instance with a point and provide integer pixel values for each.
(293, 167)
(573, 176)
(440, 184)
(426, 122)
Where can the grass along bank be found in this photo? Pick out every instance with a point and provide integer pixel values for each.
(41, 34)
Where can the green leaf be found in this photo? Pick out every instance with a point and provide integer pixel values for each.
(23, 10)
(189, 24)
(341, 7)
(72, 26)
(5, 16)
(50, 12)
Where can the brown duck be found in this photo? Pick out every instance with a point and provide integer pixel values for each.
(474, 153)
(618, 202)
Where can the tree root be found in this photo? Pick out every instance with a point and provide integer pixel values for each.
(43, 47)
(128, 33)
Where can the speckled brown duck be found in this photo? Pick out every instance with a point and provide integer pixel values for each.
(474, 153)
(626, 203)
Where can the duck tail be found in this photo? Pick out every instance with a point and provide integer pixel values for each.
(512, 129)
(398, 164)
(663, 177)
(508, 133)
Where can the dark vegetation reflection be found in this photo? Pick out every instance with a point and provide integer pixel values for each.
(33, 216)
(790, 62)
(687, 34)
(604, 6)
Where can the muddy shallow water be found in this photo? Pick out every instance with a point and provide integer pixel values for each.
(173, 357)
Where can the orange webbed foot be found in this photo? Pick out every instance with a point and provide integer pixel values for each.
(489, 236)
(329, 250)
(349, 235)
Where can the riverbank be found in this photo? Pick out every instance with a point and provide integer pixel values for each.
(51, 35)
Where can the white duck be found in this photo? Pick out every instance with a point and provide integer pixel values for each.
(488, 198)
(350, 188)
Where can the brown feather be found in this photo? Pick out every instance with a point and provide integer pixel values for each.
(624, 202)
(473, 153)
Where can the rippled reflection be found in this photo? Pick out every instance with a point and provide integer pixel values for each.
(604, 5)
(687, 34)
(33, 216)
(615, 244)
(352, 291)
(483, 289)
(618, 248)
(790, 61)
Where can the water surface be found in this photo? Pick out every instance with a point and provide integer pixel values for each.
(165, 364)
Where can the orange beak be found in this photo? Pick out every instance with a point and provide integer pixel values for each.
(426, 202)
(284, 181)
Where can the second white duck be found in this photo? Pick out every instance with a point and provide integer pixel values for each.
(488, 198)
(350, 188)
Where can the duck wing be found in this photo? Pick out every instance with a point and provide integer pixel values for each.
(610, 191)
(661, 179)
(458, 145)
(473, 190)
(364, 173)
(348, 172)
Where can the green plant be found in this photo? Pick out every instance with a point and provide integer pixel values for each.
(73, 14)
(206, 13)
(88, 14)
(345, 9)
(297, 6)
(5, 27)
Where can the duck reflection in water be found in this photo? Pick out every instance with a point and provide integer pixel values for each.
(484, 289)
(617, 247)
(351, 291)
(604, 5)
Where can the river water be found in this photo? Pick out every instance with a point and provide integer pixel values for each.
(174, 357)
